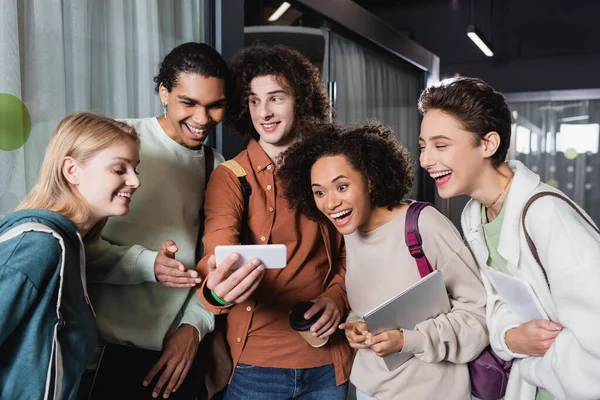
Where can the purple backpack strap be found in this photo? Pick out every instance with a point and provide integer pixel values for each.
(413, 237)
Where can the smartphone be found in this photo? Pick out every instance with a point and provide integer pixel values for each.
(271, 255)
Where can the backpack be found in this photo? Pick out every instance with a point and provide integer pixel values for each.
(488, 372)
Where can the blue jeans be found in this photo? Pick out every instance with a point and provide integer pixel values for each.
(261, 383)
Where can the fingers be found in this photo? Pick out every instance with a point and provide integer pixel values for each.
(186, 370)
(218, 273)
(374, 339)
(241, 287)
(172, 273)
(316, 307)
(154, 370)
(326, 324)
(170, 248)
(235, 286)
(167, 373)
(244, 296)
(211, 264)
(174, 380)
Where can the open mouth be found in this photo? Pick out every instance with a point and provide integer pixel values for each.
(124, 196)
(441, 177)
(270, 126)
(197, 133)
(342, 217)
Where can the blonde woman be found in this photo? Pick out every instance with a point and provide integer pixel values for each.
(47, 325)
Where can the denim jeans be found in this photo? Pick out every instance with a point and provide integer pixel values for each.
(261, 383)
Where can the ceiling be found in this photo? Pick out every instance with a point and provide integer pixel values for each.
(538, 44)
(518, 29)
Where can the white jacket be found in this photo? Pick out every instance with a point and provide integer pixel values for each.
(569, 249)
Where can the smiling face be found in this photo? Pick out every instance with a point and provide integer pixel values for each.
(196, 105)
(450, 155)
(107, 180)
(341, 193)
(271, 104)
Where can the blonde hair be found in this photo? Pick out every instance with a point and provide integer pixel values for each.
(79, 136)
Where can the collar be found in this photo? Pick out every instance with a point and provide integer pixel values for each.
(259, 160)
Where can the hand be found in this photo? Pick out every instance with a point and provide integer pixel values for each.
(328, 322)
(171, 272)
(234, 286)
(387, 342)
(177, 358)
(533, 338)
(356, 333)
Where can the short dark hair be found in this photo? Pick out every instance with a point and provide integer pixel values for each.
(478, 107)
(301, 76)
(191, 57)
(371, 148)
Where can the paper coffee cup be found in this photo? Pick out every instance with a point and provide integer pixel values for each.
(302, 326)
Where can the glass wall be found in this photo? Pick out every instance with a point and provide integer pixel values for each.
(369, 85)
(59, 57)
(559, 140)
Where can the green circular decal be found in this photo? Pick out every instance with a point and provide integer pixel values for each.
(570, 153)
(15, 122)
(552, 182)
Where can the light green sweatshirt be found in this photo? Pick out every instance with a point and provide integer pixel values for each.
(131, 307)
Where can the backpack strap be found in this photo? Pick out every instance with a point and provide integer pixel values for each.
(209, 159)
(239, 171)
(209, 166)
(55, 366)
(412, 237)
(530, 242)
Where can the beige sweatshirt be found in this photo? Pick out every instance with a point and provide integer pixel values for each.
(379, 266)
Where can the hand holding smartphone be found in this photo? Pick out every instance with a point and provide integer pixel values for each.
(273, 256)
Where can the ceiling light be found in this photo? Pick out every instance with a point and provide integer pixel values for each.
(576, 118)
(279, 12)
(477, 38)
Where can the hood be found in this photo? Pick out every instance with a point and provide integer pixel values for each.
(54, 220)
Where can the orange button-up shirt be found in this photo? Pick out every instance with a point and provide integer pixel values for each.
(258, 329)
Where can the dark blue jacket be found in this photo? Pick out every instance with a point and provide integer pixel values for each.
(30, 266)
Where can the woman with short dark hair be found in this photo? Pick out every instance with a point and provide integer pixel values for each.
(522, 230)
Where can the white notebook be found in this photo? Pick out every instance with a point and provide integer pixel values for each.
(518, 296)
(425, 299)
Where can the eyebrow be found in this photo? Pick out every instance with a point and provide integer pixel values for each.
(127, 160)
(269, 93)
(436, 137)
(194, 101)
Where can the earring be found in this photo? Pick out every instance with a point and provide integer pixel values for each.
(165, 109)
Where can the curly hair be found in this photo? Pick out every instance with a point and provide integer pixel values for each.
(371, 148)
(191, 57)
(478, 107)
(301, 77)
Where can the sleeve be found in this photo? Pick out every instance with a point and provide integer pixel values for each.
(119, 265)
(460, 335)
(352, 317)
(32, 260)
(336, 289)
(500, 319)
(223, 210)
(195, 314)
(569, 250)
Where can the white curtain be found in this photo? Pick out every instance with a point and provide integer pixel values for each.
(369, 85)
(64, 56)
